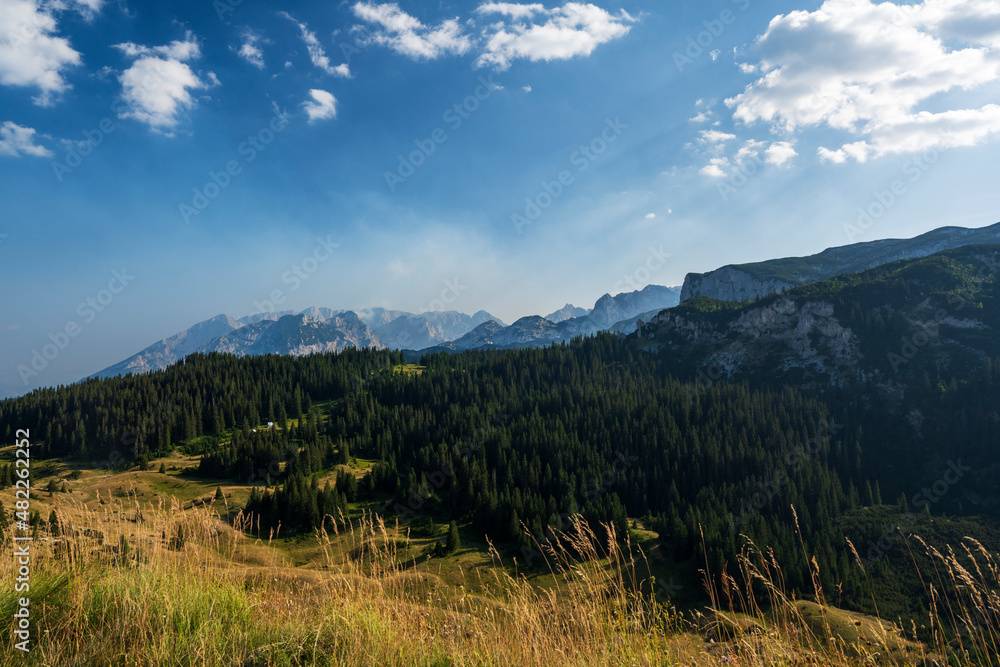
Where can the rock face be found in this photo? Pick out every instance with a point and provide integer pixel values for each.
(568, 311)
(296, 335)
(730, 283)
(887, 327)
(416, 332)
(617, 313)
(773, 338)
(736, 282)
(327, 330)
(171, 350)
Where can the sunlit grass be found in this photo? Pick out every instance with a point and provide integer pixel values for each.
(139, 582)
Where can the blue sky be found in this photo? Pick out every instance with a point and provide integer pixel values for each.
(161, 163)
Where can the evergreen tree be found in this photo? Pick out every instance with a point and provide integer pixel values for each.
(454, 542)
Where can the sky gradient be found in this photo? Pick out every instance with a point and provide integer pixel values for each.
(161, 163)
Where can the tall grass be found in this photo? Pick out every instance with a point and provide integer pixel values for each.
(124, 584)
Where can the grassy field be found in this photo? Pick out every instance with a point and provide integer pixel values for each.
(150, 568)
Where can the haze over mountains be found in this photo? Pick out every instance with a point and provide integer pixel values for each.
(327, 330)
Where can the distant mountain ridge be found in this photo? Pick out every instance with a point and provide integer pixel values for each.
(566, 312)
(887, 327)
(327, 330)
(617, 313)
(737, 282)
(171, 350)
(296, 335)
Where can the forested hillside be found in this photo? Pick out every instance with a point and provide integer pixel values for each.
(511, 443)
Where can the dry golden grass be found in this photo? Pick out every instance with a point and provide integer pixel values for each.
(138, 580)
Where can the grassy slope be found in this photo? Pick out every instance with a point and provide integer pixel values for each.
(368, 594)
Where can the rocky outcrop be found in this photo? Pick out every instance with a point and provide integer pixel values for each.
(171, 350)
(730, 283)
(773, 339)
(736, 282)
(296, 335)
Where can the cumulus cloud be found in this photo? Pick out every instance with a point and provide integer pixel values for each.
(250, 49)
(714, 168)
(779, 153)
(322, 106)
(406, 35)
(575, 29)
(16, 140)
(866, 70)
(316, 53)
(31, 52)
(513, 10)
(156, 88)
(751, 151)
(714, 137)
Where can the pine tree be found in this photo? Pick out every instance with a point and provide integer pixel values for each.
(454, 543)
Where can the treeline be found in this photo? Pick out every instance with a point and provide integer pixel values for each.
(128, 420)
(505, 440)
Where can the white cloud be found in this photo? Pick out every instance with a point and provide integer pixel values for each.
(323, 105)
(714, 168)
(316, 53)
(650, 216)
(250, 50)
(406, 35)
(714, 137)
(715, 53)
(575, 29)
(156, 88)
(87, 8)
(779, 153)
(16, 140)
(31, 53)
(512, 10)
(526, 89)
(866, 70)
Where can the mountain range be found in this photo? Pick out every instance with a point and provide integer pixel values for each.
(737, 282)
(889, 327)
(327, 330)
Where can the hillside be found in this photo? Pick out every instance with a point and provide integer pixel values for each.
(738, 282)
